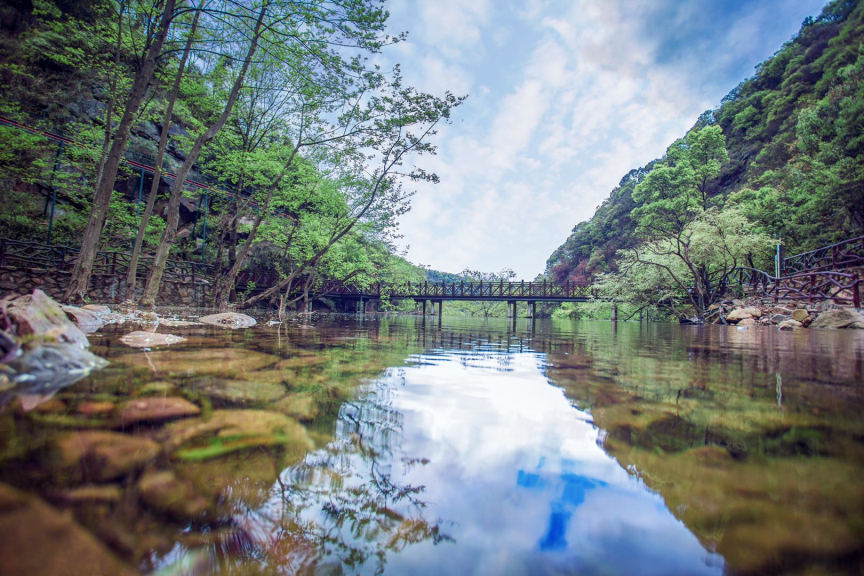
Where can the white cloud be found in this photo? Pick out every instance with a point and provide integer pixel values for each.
(567, 98)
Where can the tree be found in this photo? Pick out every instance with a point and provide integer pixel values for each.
(675, 215)
(132, 274)
(664, 274)
(375, 141)
(80, 278)
(154, 279)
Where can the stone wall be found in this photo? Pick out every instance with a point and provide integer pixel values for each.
(104, 289)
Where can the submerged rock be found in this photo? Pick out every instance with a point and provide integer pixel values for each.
(225, 362)
(38, 540)
(231, 320)
(45, 369)
(102, 456)
(240, 392)
(156, 409)
(163, 492)
(142, 339)
(229, 431)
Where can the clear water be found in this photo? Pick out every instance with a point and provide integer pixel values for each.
(471, 448)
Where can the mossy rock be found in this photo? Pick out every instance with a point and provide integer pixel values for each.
(227, 431)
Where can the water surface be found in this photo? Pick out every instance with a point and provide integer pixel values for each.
(362, 446)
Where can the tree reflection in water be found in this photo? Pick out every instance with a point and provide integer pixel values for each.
(341, 504)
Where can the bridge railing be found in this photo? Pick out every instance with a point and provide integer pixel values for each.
(838, 287)
(480, 290)
(845, 254)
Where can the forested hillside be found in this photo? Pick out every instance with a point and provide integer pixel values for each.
(794, 162)
(289, 138)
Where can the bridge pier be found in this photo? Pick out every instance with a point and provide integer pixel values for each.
(533, 307)
(424, 308)
(440, 308)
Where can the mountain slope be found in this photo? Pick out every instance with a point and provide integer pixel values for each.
(795, 136)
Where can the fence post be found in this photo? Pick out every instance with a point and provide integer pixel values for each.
(54, 192)
(856, 288)
(812, 288)
(113, 262)
(204, 235)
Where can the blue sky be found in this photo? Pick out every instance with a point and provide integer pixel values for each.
(565, 97)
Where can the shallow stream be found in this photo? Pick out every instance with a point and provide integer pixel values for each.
(355, 445)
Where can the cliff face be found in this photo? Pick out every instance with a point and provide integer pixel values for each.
(794, 157)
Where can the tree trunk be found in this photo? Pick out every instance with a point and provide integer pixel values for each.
(154, 280)
(131, 276)
(80, 279)
(225, 285)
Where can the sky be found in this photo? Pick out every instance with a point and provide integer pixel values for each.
(564, 98)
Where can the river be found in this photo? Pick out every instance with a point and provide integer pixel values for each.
(351, 445)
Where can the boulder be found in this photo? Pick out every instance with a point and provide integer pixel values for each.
(742, 313)
(839, 318)
(747, 322)
(156, 409)
(40, 541)
(807, 321)
(102, 456)
(778, 318)
(789, 325)
(231, 320)
(142, 339)
(163, 492)
(799, 314)
(97, 308)
(86, 320)
(38, 315)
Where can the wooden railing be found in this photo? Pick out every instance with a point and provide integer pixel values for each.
(845, 254)
(35, 255)
(839, 287)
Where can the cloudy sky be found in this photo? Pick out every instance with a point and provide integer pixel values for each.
(565, 97)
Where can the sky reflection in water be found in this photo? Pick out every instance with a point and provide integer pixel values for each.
(513, 475)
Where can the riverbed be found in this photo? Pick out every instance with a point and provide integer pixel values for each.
(343, 445)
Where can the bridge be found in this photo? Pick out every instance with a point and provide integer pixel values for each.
(437, 292)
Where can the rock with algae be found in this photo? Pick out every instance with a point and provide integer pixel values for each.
(227, 431)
